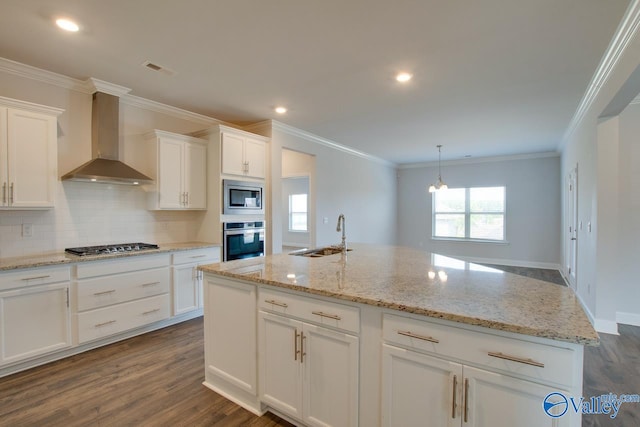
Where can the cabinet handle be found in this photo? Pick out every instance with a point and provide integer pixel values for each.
(330, 316)
(4, 193)
(97, 294)
(455, 396)
(302, 353)
(26, 279)
(420, 337)
(274, 302)
(150, 311)
(186, 195)
(144, 285)
(98, 325)
(198, 256)
(296, 335)
(11, 194)
(466, 400)
(516, 359)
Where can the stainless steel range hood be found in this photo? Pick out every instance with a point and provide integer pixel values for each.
(105, 166)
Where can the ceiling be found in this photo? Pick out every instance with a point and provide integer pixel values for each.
(490, 77)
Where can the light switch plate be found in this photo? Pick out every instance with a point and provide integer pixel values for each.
(27, 230)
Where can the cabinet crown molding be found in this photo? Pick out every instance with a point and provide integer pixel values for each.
(29, 106)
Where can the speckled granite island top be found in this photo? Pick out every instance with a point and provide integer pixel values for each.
(55, 258)
(427, 284)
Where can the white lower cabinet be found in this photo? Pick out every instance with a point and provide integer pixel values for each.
(308, 372)
(431, 382)
(34, 313)
(187, 279)
(230, 344)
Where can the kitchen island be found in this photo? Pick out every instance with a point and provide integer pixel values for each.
(388, 335)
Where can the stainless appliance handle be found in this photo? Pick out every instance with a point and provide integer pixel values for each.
(243, 231)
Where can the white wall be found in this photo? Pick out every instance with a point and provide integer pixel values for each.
(532, 209)
(86, 213)
(361, 188)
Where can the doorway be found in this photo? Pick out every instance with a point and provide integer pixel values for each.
(298, 200)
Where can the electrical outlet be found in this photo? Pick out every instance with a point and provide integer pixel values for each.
(325, 220)
(27, 230)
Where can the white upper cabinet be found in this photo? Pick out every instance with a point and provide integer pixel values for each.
(28, 155)
(243, 156)
(179, 168)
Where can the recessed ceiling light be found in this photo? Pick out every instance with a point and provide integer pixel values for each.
(403, 77)
(67, 25)
(280, 110)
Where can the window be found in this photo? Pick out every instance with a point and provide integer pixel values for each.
(469, 213)
(297, 212)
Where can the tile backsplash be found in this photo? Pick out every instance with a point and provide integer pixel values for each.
(94, 214)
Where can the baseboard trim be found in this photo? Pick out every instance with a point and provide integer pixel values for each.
(605, 326)
(509, 262)
(632, 319)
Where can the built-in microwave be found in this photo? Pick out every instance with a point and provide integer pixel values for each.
(242, 197)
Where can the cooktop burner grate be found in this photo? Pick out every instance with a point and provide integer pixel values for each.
(111, 249)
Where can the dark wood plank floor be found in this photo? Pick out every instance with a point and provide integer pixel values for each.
(156, 380)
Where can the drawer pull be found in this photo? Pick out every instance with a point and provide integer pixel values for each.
(274, 302)
(97, 294)
(420, 337)
(150, 311)
(330, 316)
(98, 325)
(455, 397)
(198, 256)
(36, 277)
(144, 285)
(516, 359)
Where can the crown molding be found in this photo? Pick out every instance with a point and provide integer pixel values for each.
(92, 85)
(472, 160)
(327, 143)
(635, 100)
(624, 35)
(30, 106)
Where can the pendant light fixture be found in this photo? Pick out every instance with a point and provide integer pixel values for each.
(440, 185)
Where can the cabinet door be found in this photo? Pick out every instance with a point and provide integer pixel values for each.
(230, 332)
(186, 288)
(232, 154)
(494, 400)
(33, 321)
(195, 175)
(254, 157)
(170, 167)
(330, 377)
(4, 180)
(418, 390)
(33, 159)
(280, 363)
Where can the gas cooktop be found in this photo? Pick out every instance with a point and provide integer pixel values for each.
(111, 249)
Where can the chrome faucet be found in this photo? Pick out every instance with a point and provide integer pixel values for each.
(344, 239)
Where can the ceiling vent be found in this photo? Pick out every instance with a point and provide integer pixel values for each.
(158, 68)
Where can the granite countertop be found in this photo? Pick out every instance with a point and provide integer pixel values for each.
(55, 258)
(428, 284)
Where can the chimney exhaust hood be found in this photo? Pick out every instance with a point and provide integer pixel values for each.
(105, 166)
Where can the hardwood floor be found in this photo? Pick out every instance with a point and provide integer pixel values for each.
(151, 380)
(156, 380)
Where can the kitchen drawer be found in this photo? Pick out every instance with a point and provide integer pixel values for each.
(314, 310)
(109, 290)
(107, 321)
(33, 276)
(199, 256)
(530, 360)
(121, 265)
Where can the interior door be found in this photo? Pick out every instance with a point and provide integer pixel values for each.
(571, 233)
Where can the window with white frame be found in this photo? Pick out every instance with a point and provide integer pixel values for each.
(469, 213)
(297, 212)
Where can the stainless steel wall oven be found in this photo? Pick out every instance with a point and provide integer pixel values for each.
(243, 240)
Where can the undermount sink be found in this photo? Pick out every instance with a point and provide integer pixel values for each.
(318, 252)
